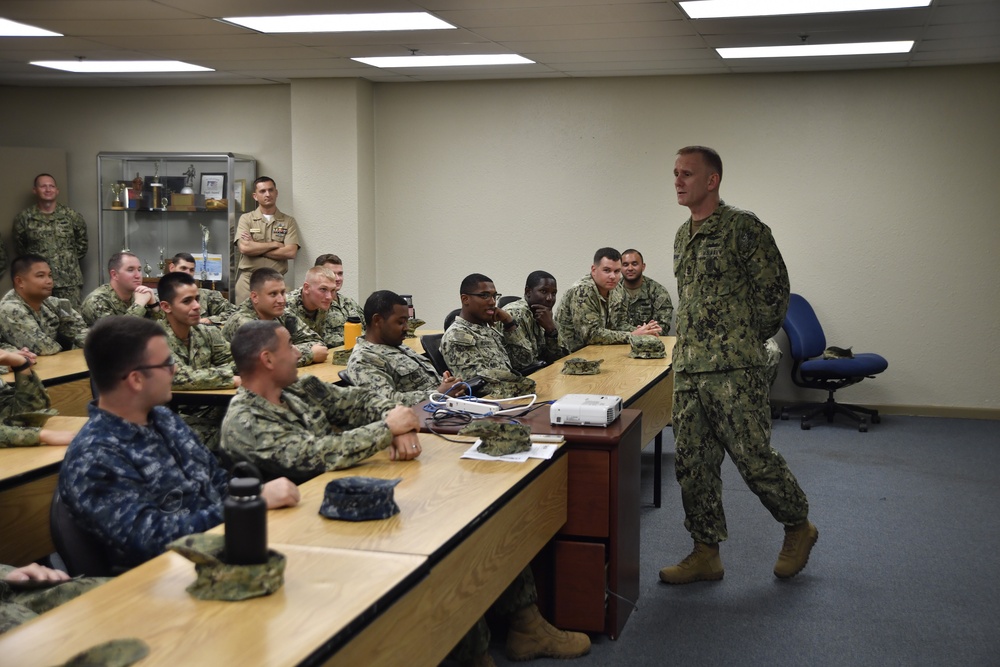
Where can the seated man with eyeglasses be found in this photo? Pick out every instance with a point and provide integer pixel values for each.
(136, 477)
(474, 342)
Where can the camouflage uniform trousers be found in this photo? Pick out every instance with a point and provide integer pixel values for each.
(727, 412)
(520, 594)
(17, 607)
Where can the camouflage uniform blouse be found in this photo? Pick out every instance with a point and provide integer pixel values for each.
(51, 330)
(650, 302)
(20, 606)
(26, 395)
(469, 349)
(307, 435)
(104, 301)
(328, 324)
(586, 318)
(732, 290)
(136, 488)
(60, 237)
(396, 372)
(215, 307)
(302, 337)
(204, 362)
(527, 343)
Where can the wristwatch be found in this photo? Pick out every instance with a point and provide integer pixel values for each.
(23, 367)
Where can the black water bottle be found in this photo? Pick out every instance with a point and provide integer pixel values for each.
(245, 515)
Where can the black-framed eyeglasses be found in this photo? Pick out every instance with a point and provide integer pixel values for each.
(169, 363)
(485, 296)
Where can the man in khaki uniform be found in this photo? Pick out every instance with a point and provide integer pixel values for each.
(266, 237)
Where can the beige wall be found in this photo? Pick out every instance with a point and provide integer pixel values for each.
(877, 185)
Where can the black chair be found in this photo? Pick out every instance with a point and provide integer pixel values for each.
(504, 300)
(432, 348)
(81, 552)
(450, 317)
(812, 371)
(345, 379)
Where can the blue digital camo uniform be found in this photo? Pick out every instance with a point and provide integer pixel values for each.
(732, 295)
(136, 488)
(398, 373)
(586, 318)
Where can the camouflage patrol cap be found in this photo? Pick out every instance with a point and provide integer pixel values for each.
(359, 499)
(34, 418)
(834, 352)
(114, 653)
(412, 325)
(340, 357)
(581, 366)
(505, 384)
(499, 438)
(647, 347)
(218, 580)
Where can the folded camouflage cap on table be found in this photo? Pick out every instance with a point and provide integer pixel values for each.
(32, 418)
(340, 357)
(114, 653)
(359, 499)
(647, 347)
(581, 366)
(499, 438)
(218, 580)
(506, 384)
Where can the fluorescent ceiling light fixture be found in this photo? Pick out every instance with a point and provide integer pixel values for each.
(716, 9)
(119, 66)
(809, 50)
(341, 22)
(10, 28)
(396, 62)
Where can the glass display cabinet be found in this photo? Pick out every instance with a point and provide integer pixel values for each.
(158, 204)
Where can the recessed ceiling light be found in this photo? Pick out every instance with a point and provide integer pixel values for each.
(810, 50)
(395, 62)
(10, 28)
(715, 9)
(119, 66)
(341, 22)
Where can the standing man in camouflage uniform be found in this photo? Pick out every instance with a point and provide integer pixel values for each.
(26, 395)
(31, 317)
(267, 302)
(311, 302)
(123, 295)
(303, 427)
(215, 308)
(55, 232)
(265, 236)
(136, 477)
(536, 336)
(383, 365)
(202, 354)
(720, 393)
(647, 299)
(594, 310)
(19, 605)
(342, 306)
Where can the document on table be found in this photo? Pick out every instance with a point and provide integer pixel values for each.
(537, 451)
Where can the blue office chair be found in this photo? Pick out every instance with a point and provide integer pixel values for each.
(810, 370)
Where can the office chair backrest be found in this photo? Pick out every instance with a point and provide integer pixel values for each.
(504, 300)
(345, 378)
(81, 552)
(805, 334)
(432, 346)
(450, 317)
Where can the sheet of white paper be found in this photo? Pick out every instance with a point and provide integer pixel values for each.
(537, 451)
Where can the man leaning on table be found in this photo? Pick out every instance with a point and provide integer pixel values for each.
(136, 477)
(26, 395)
(303, 427)
(123, 295)
(594, 310)
(31, 317)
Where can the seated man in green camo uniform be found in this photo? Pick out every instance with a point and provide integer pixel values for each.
(312, 302)
(267, 302)
(342, 306)
(20, 603)
(647, 299)
(536, 336)
(215, 308)
(474, 342)
(202, 354)
(381, 363)
(594, 310)
(32, 318)
(123, 295)
(26, 395)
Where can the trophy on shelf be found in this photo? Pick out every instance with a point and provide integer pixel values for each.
(117, 189)
(205, 234)
(147, 270)
(189, 175)
(157, 199)
(163, 263)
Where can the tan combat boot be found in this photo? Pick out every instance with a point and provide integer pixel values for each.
(799, 541)
(483, 660)
(702, 564)
(531, 636)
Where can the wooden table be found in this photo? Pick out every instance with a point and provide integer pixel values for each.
(400, 591)
(66, 379)
(28, 478)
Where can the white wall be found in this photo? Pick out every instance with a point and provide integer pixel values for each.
(878, 186)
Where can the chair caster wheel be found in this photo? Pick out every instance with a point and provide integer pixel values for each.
(876, 419)
(863, 426)
(805, 424)
(784, 414)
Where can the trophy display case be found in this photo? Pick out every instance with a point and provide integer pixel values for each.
(158, 204)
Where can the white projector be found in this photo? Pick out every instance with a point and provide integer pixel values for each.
(585, 410)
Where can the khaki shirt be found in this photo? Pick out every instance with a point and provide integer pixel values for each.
(282, 228)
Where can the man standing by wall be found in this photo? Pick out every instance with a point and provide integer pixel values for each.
(57, 233)
(266, 237)
(732, 295)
